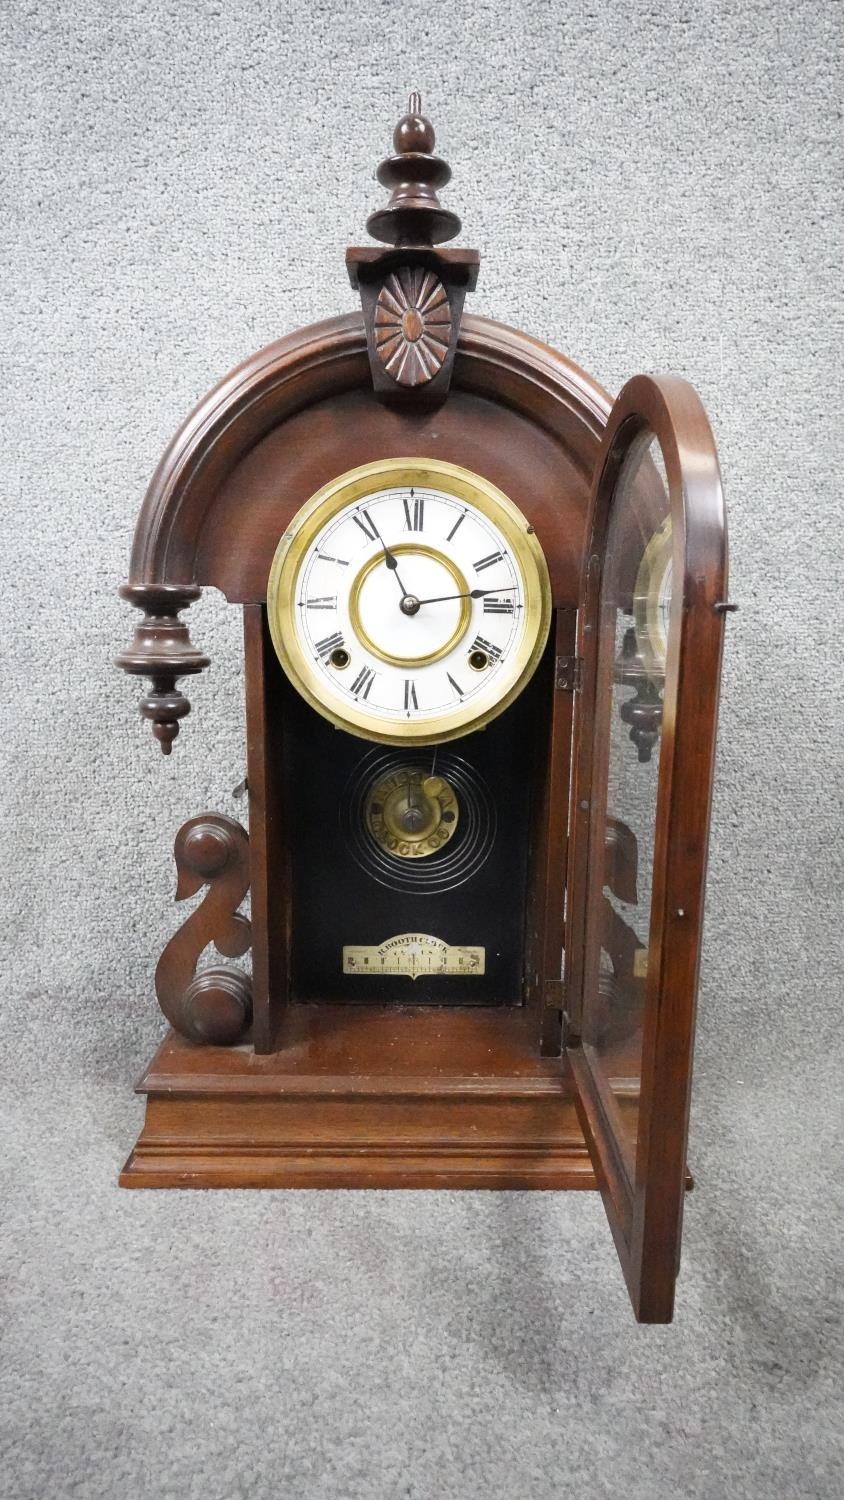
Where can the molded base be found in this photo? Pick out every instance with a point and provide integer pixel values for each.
(359, 1097)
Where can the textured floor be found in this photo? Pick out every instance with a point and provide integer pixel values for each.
(653, 187)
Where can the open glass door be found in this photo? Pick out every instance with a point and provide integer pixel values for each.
(650, 636)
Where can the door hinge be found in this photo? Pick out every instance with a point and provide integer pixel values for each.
(568, 674)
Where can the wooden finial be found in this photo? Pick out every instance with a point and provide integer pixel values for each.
(414, 175)
(162, 650)
(414, 132)
(412, 293)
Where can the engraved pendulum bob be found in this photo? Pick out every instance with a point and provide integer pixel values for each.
(410, 814)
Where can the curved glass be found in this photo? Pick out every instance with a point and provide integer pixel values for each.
(633, 627)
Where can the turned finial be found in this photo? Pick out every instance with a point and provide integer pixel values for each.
(414, 131)
(162, 650)
(414, 175)
(412, 292)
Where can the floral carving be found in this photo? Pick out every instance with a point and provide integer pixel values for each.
(412, 325)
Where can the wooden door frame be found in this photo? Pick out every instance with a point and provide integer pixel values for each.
(645, 1212)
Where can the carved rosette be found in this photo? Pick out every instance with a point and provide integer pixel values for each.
(412, 325)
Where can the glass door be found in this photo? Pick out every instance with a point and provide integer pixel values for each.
(650, 636)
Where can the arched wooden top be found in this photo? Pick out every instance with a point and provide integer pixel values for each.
(328, 359)
(302, 410)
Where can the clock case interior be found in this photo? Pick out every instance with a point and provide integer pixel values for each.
(292, 1077)
(343, 889)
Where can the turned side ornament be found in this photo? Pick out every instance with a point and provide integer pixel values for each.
(162, 650)
(215, 1005)
(642, 713)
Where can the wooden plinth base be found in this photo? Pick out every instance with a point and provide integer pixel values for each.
(364, 1098)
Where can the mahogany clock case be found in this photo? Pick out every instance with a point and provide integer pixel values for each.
(325, 899)
(567, 1061)
(260, 445)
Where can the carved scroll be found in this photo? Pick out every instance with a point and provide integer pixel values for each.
(620, 990)
(215, 1005)
(162, 649)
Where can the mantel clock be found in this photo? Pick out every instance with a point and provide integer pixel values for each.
(483, 609)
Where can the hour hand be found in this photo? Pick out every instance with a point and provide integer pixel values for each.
(392, 563)
(390, 559)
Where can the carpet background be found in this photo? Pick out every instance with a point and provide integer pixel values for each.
(652, 186)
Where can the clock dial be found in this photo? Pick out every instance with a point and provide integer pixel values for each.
(409, 600)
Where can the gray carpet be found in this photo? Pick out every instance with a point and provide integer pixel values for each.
(652, 187)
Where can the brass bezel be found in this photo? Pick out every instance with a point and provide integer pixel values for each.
(353, 485)
(656, 559)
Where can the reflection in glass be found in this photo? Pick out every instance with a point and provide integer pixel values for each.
(633, 625)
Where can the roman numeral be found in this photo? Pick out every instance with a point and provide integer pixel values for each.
(331, 643)
(498, 606)
(341, 562)
(414, 513)
(410, 694)
(324, 601)
(363, 520)
(480, 643)
(488, 562)
(363, 682)
(456, 685)
(458, 522)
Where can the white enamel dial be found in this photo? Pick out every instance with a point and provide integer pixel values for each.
(409, 600)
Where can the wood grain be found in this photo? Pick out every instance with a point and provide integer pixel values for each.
(365, 1098)
(645, 1202)
(269, 842)
(511, 370)
(215, 1005)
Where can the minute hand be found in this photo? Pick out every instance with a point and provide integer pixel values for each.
(472, 594)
